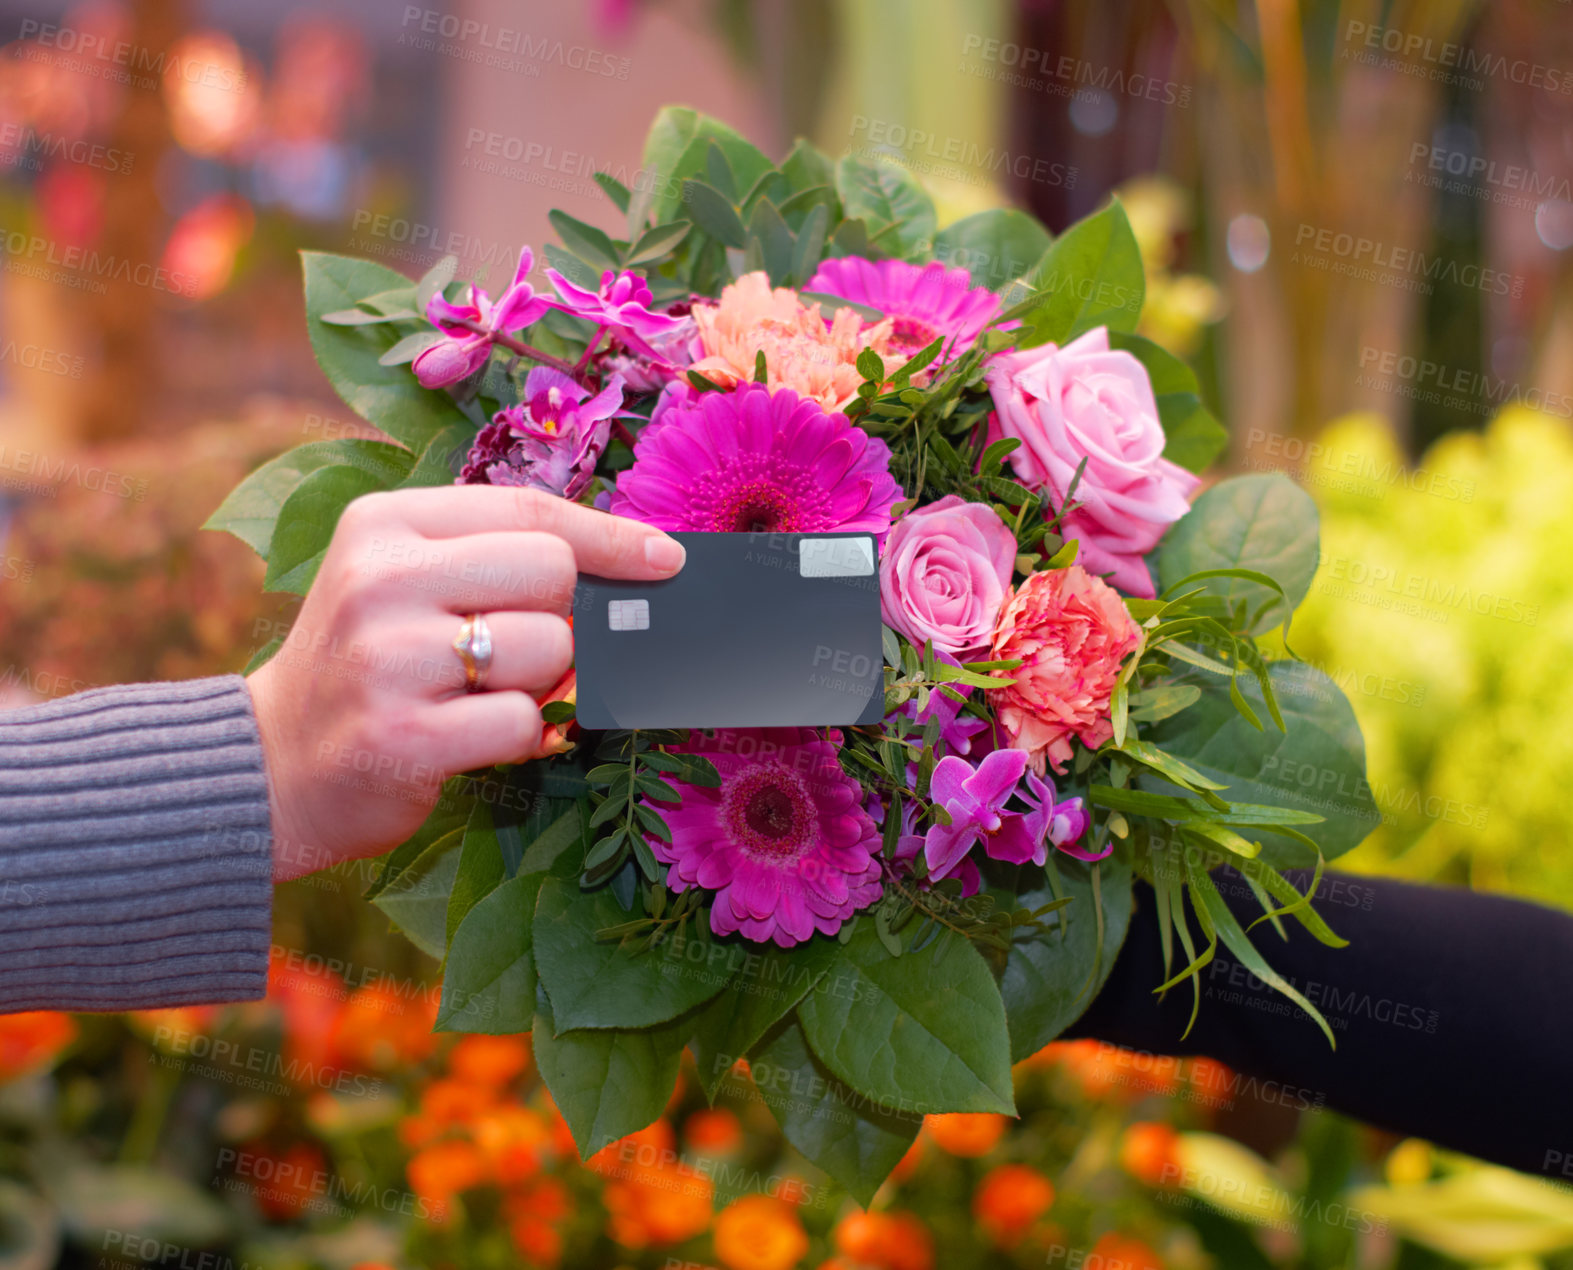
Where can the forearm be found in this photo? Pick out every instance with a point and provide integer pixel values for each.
(135, 851)
(1451, 1009)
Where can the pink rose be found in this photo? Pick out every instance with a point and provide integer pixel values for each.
(1086, 400)
(1071, 632)
(944, 574)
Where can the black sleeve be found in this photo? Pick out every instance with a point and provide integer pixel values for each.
(1453, 1012)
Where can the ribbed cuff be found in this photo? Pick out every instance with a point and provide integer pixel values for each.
(136, 856)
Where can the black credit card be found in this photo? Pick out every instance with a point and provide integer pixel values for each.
(755, 630)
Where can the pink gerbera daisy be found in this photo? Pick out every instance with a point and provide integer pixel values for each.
(783, 841)
(924, 301)
(752, 460)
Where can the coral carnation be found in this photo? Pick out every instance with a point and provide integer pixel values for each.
(753, 460)
(1071, 632)
(783, 842)
(802, 351)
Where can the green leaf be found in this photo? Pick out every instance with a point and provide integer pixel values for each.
(713, 212)
(433, 281)
(807, 166)
(1215, 916)
(251, 509)
(416, 901)
(1193, 438)
(1316, 766)
(488, 984)
(656, 243)
(451, 813)
(853, 1139)
(614, 190)
(306, 523)
(888, 199)
(767, 987)
(607, 1084)
(929, 1031)
(994, 246)
(678, 146)
(480, 871)
(766, 228)
(587, 242)
(1053, 973)
(390, 399)
(411, 347)
(572, 268)
(598, 984)
(1091, 276)
(439, 461)
(1263, 522)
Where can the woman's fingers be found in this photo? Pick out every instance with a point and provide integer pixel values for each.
(479, 573)
(484, 728)
(531, 652)
(606, 545)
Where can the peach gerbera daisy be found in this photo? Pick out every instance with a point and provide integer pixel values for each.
(803, 352)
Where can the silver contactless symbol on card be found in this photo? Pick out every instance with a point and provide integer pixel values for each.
(835, 558)
(628, 615)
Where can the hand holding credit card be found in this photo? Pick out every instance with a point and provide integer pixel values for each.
(756, 630)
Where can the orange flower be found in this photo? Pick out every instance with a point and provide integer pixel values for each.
(801, 352)
(559, 738)
(651, 1197)
(967, 1134)
(32, 1040)
(382, 1029)
(1147, 1152)
(759, 1232)
(1211, 1082)
(445, 1104)
(491, 1061)
(1120, 1252)
(1009, 1200)
(889, 1241)
(1107, 1071)
(310, 1001)
(538, 1243)
(176, 1020)
(441, 1171)
(908, 1164)
(512, 1139)
(713, 1132)
(285, 1185)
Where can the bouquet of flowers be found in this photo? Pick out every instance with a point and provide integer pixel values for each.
(1079, 691)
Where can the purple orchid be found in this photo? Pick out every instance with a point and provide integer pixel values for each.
(622, 306)
(976, 798)
(551, 440)
(466, 349)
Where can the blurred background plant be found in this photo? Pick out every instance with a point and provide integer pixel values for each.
(160, 164)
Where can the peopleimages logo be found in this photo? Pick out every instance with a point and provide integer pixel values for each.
(1445, 61)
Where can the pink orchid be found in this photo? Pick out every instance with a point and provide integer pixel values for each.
(466, 349)
(976, 801)
(621, 305)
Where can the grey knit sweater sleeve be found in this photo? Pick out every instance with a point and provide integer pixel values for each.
(135, 849)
